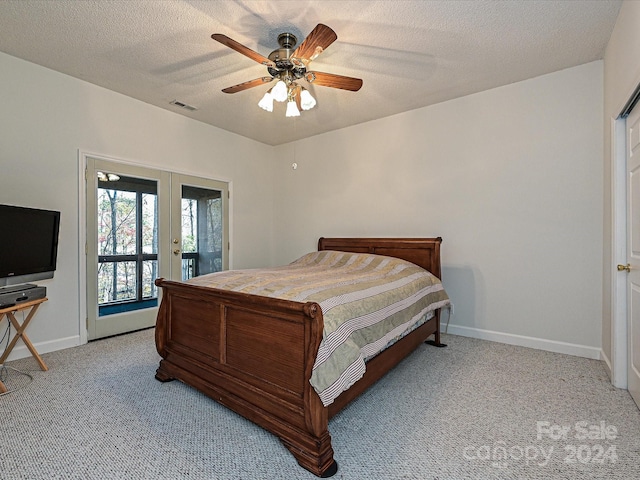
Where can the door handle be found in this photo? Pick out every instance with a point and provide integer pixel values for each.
(176, 251)
(624, 268)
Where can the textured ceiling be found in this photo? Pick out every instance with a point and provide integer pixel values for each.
(410, 54)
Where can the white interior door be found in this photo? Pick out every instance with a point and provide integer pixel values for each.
(633, 252)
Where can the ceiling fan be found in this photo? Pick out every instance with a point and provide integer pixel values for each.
(288, 66)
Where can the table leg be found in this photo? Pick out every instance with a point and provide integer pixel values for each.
(20, 334)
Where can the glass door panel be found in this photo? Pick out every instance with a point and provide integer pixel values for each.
(199, 227)
(127, 244)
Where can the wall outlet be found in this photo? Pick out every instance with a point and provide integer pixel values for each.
(451, 308)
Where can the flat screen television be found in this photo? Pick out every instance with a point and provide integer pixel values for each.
(28, 244)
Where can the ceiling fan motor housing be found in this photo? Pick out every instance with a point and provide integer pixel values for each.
(281, 57)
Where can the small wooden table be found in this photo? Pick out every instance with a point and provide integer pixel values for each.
(9, 312)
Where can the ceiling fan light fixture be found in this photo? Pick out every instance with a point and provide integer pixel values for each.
(292, 109)
(307, 102)
(280, 91)
(267, 102)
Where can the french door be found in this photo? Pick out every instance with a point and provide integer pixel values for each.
(143, 224)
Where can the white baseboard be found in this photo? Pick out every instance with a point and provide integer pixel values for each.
(531, 342)
(21, 351)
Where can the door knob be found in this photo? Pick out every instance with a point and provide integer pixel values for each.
(176, 251)
(624, 268)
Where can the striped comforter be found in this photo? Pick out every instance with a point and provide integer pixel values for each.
(368, 301)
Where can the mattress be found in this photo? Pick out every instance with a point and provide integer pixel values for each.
(368, 302)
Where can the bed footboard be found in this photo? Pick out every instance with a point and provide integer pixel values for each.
(252, 354)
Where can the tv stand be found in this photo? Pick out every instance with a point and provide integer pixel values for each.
(33, 306)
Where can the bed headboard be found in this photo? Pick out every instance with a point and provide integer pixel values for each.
(424, 252)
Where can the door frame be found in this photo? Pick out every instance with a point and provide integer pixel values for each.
(82, 222)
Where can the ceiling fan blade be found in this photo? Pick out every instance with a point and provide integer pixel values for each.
(315, 43)
(334, 81)
(246, 85)
(246, 51)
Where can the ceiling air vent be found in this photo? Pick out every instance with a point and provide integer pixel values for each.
(180, 104)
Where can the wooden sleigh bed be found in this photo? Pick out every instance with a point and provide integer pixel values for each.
(255, 354)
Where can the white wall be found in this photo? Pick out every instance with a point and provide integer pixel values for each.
(511, 178)
(47, 117)
(621, 77)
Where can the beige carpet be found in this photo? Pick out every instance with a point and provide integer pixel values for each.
(474, 410)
